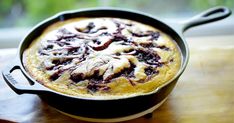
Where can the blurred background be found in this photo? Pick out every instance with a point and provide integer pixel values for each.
(18, 16)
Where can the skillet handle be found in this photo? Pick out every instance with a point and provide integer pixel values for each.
(34, 88)
(210, 15)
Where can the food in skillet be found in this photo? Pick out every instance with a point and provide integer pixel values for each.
(102, 57)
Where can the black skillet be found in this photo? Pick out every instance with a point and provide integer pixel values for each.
(108, 109)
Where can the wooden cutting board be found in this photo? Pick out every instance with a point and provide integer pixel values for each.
(204, 93)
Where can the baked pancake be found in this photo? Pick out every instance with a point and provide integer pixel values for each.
(102, 57)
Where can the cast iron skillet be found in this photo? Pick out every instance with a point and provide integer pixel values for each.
(108, 108)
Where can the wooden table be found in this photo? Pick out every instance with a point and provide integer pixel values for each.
(204, 93)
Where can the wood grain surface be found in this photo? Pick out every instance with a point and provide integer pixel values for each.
(204, 93)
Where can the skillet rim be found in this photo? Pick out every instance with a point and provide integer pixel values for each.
(61, 15)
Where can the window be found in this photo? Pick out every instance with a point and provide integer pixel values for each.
(18, 16)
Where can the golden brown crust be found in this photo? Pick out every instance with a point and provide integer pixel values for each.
(130, 59)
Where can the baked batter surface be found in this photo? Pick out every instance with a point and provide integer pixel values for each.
(102, 57)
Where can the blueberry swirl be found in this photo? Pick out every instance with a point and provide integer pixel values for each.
(100, 51)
